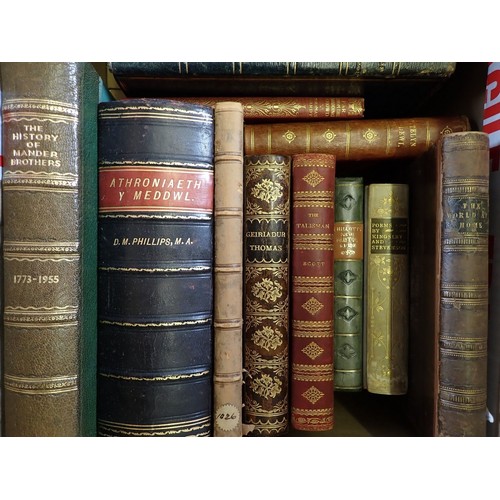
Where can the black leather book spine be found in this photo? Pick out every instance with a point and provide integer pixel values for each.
(419, 70)
(155, 268)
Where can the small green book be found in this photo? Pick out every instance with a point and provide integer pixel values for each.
(348, 284)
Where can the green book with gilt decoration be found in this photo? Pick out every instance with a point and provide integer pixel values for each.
(348, 284)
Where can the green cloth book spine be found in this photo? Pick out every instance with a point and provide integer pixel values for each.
(50, 248)
(348, 284)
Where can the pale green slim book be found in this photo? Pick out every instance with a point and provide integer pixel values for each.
(348, 272)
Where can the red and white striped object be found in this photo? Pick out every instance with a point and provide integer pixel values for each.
(491, 116)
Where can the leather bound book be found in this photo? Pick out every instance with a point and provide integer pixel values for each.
(50, 250)
(348, 283)
(266, 289)
(156, 188)
(228, 269)
(449, 327)
(387, 288)
(251, 69)
(291, 108)
(311, 350)
(391, 88)
(362, 139)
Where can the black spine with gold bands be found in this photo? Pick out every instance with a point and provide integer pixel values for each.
(155, 268)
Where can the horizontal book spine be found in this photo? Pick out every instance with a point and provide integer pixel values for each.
(291, 108)
(464, 285)
(280, 69)
(311, 384)
(352, 139)
(267, 290)
(155, 268)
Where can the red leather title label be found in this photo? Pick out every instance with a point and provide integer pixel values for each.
(142, 188)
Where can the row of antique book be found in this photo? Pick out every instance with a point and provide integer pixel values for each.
(193, 285)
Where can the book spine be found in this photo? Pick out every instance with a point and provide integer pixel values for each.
(266, 270)
(1, 272)
(50, 252)
(156, 188)
(348, 283)
(286, 69)
(464, 285)
(291, 108)
(228, 269)
(372, 139)
(311, 390)
(387, 298)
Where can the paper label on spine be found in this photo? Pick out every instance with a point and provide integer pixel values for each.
(227, 417)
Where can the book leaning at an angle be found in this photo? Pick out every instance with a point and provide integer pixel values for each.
(348, 276)
(449, 294)
(50, 250)
(387, 288)
(156, 187)
(267, 290)
(312, 258)
(228, 269)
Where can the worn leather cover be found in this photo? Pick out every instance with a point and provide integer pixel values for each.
(392, 89)
(278, 69)
(311, 350)
(50, 250)
(374, 139)
(228, 269)
(267, 292)
(447, 393)
(265, 109)
(387, 288)
(155, 268)
(348, 283)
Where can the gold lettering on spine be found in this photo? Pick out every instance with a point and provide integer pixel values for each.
(266, 282)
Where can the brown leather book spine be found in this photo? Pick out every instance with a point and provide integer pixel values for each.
(352, 139)
(266, 289)
(311, 390)
(228, 269)
(464, 160)
(291, 108)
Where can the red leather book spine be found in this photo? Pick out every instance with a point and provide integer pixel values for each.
(313, 185)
